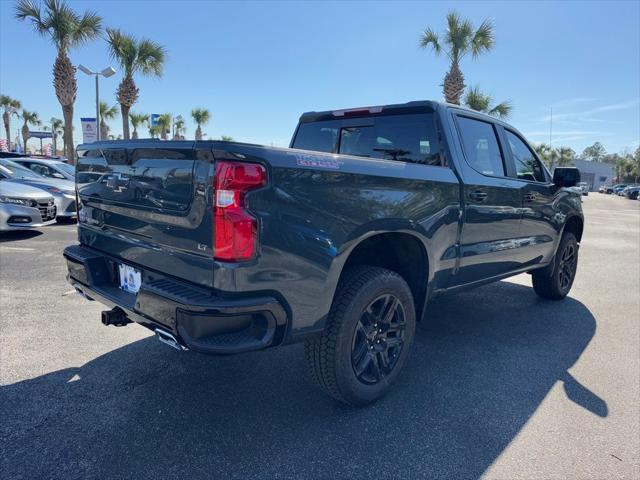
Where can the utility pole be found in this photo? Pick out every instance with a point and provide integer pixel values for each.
(551, 138)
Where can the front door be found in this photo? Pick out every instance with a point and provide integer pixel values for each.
(541, 222)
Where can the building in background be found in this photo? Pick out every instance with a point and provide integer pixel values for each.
(594, 173)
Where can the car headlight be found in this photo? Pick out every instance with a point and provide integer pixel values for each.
(18, 201)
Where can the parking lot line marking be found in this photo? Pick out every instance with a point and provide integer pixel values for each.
(18, 249)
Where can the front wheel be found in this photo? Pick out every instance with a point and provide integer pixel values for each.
(565, 263)
(367, 338)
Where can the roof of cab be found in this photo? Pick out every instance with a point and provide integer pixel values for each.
(418, 106)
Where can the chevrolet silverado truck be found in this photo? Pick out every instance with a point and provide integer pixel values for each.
(338, 241)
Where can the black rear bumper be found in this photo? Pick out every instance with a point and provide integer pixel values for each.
(199, 320)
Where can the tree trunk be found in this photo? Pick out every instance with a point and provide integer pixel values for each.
(134, 135)
(25, 136)
(453, 86)
(66, 87)
(198, 133)
(54, 141)
(7, 129)
(124, 109)
(69, 150)
(104, 130)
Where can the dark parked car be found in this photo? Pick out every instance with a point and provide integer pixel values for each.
(632, 191)
(338, 242)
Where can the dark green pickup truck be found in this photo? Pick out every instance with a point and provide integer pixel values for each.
(339, 241)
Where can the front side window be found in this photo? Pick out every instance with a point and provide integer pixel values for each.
(527, 165)
(481, 147)
(405, 138)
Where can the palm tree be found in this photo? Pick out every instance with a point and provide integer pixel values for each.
(11, 106)
(460, 39)
(544, 152)
(137, 119)
(565, 156)
(107, 112)
(134, 56)
(164, 122)
(179, 128)
(226, 138)
(29, 118)
(56, 125)
(481, 102)
(154, 131)
(67, 30)
(201, 117)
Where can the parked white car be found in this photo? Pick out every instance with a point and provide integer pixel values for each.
(63, 191)
(47, 168)
(23, 207)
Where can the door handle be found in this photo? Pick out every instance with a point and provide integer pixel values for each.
(529, 197)
(478, 195)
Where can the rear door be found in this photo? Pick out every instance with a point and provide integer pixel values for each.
(148, 205)
(492, 204)
(539, 227)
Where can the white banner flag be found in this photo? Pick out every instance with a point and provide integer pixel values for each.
(89, 130)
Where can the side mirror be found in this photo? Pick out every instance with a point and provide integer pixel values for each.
(566, 176)
(58, 175)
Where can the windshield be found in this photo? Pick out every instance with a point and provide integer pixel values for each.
(13, 170)
(65, 167)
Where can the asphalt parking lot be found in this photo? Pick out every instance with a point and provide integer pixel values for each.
(500, 385)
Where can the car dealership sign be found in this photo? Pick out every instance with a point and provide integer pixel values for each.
(89, 130)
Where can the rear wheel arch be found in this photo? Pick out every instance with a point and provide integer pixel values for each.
(400, 252)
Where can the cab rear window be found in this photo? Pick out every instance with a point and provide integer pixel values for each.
(405, 138)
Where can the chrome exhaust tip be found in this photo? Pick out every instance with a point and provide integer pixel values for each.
(169, 339)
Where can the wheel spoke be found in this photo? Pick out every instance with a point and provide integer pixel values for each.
(359, 350)
(375, 367)
(361, 366)
(389, 309)
(392, 342)
(383, 361)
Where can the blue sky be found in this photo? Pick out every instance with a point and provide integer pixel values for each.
(257, 66)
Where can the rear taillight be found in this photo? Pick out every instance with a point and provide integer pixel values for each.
(236, 230)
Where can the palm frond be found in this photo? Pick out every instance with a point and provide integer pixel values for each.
(122, 49)
(476, 100)
(28, 10)
(501, 110)
(429, 37)
(107, 111)
(138, 118)
(483, 39)
(200, 115)
(151, 57)
(87, 28)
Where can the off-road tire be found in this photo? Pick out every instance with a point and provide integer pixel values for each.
(553, 286)
(328, 357)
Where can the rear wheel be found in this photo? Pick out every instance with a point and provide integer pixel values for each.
(367, 338)
(565, 263)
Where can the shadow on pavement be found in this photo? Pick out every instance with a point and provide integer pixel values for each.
(16, 235)
(482, 363)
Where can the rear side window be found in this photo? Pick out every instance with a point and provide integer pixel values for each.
(481, 147)
(527, 165)
(405, 138)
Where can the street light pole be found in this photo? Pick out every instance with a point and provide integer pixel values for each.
(97, 110)
(106, 73)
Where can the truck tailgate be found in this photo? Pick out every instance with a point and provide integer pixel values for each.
(146, 203)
